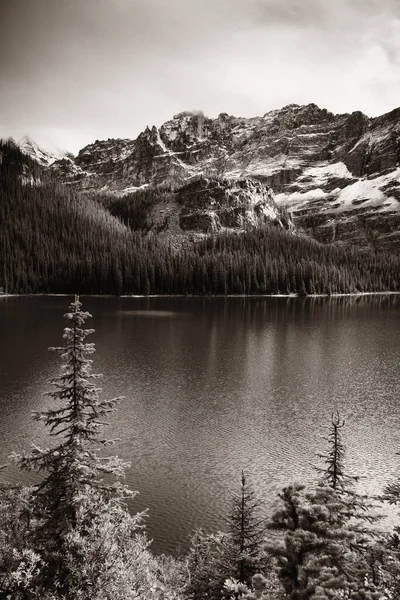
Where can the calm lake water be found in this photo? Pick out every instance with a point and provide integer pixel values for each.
(214, 386)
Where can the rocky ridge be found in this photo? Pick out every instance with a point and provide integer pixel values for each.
(338, 175)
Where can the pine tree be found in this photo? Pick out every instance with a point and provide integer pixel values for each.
(203, 564)
(318, 556)
(354, 505)
(333, 473)
(243, 548)
(76, 489)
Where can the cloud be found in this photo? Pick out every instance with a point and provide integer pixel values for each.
(107, 68)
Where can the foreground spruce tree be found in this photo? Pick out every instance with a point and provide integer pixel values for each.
(355, 506)
(205, 579)
(244, 554)
(88, 545)
(319, 555)
(328, 543)
(218, 564)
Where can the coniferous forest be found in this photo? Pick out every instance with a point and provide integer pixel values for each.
(70, 536)
(55, 240)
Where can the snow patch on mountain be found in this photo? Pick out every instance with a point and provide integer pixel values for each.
(371, 192)
(298, 199)
(326, 171)
(124, 192)
(368, 192)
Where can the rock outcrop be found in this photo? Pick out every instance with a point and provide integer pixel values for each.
(212, 205)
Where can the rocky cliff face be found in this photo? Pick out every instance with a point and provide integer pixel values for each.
(210, 205)
(339, 175)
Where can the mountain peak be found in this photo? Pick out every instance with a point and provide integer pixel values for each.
(39, 154)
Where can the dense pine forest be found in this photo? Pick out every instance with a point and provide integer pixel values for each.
(70, 536)
(55, 240)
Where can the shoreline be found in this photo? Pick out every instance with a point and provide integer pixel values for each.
(336, 295)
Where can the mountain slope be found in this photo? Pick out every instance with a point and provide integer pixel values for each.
(338, 174)
(56, 240)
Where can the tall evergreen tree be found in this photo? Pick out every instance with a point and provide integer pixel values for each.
(67, 504)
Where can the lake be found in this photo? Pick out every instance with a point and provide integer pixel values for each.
(213, 386)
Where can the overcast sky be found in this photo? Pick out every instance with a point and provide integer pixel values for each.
(72, 71)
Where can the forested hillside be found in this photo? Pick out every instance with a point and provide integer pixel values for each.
(54, 240)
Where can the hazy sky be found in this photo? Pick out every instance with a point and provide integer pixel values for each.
(72, 71)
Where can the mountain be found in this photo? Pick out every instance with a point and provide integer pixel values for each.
(338, 175)
(59, 240)
(40, 155)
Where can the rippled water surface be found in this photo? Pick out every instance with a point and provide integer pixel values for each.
(214, 386)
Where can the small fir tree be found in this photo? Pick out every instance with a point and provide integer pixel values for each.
(224, 565)
(333, 473)
(243, 552)
(391, 494)
(205, 580)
